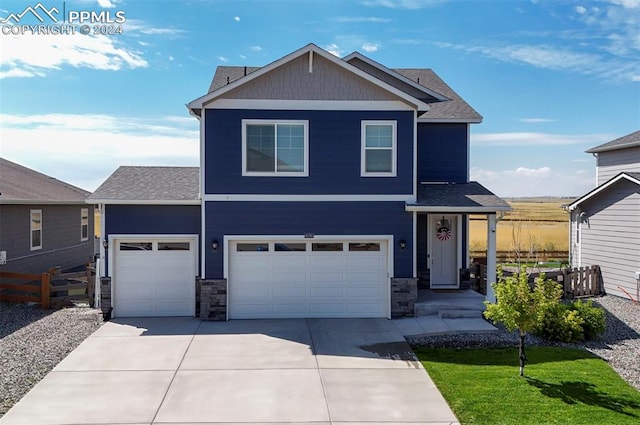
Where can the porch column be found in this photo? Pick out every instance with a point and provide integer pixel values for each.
(491, 256)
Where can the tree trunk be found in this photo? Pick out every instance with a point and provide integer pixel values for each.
(521, 353)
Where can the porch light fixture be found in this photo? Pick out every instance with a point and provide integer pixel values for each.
(214, 244)
(403, 244)
(105, 244)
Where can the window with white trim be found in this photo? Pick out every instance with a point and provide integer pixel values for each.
(36, 229)
(84, 224)
(275, 148)
(378, 157)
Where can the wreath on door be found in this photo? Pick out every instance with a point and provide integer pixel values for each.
(443, 230)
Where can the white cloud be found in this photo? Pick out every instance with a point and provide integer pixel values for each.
(255, 48)
(236, 18)
(171, 58)
(580, 9)
(536, 120)
(106, 4)
(334, 49)
(32, 55)
(629, 4)
(132, 26)
(537, 139)
(370, 47)
(542, 181)
(223, 59)
(143, 43)
(104, 141)
(404, 4)
(242, 56)
(361, 19)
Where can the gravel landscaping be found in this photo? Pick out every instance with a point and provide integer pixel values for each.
(33, 341)
(619, 345)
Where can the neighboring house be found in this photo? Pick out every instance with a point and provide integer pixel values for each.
(605, 223)
(44, 222)
(327, 186)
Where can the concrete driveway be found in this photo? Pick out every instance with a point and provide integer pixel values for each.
(181, 371)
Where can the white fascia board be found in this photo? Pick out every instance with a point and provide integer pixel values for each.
(317, 105)
(144, 202)
(601, 188)
(456, 210)
(203, 101)
(306, 198)
(450, 120)
(394, 74)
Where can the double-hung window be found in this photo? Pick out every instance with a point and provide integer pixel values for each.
(36, 229)
(275, 148)
(84, 224)
(378, 157)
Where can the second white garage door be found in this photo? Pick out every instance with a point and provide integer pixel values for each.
(280, 279)
(154, 277)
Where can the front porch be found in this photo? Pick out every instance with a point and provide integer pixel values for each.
(446, 312)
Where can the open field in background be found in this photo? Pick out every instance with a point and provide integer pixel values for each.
(536, 223)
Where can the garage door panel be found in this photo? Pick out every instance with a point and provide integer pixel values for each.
(327, 282)
(154, 282)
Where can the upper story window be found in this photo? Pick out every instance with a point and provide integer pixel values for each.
(36, 229)
(378, 149)
(84, 224)
(275, 148)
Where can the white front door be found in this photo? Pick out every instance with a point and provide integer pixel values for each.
(444, 237)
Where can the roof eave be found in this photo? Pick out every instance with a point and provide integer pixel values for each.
(39, 202)
(613, 148)
(454, 209)
(144, 201)
(451, 120)
(601, 188)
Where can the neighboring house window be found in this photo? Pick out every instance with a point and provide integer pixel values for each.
(275, 148)
(36, 229)
(84, 224)
(378, 149)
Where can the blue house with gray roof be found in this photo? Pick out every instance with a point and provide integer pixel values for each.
(327, 187)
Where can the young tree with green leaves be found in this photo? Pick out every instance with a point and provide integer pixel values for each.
(519, 307)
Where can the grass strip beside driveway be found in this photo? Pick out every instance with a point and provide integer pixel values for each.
(560, 386)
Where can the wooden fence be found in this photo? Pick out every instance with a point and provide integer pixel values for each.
(576, 283)
(523, 257)
(50, 290)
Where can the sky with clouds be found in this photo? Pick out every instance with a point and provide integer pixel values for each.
(551, 78)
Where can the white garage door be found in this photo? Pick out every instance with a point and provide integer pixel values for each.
(154, 277)
(308, 279)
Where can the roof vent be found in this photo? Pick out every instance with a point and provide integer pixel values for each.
(227, 79)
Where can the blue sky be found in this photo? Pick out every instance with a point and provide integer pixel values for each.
(551, 78)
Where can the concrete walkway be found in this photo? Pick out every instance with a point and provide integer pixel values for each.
(180, 371)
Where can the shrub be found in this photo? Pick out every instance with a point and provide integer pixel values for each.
(572, 322)
(593, 317)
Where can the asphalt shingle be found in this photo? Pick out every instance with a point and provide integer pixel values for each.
(628, 141)
(459, 195)
(22, 184)
(129, 183)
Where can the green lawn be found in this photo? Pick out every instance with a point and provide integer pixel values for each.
(561, 386)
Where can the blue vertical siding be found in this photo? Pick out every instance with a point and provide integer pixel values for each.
(442, 152)
(334, 154)
(298, 218)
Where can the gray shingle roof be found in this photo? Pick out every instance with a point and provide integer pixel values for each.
(149, 184)
(461, 197)
(454, 108)
(628, 141)
(21, 184)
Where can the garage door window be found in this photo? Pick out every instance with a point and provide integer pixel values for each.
(252, 247)
(173, 246)
(290, 247)
(327, 247)
(364, 246)
(136, 246)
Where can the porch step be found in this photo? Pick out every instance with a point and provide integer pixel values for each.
(460, 314)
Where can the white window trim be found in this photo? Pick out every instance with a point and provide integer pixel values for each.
(31, 229)
(276, 173)
(363, 149)
(84, 212)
